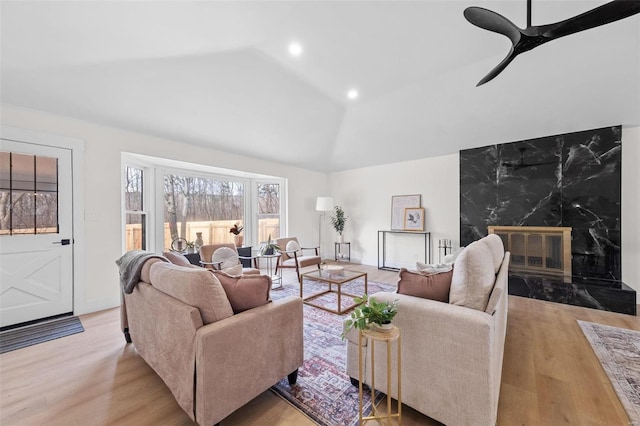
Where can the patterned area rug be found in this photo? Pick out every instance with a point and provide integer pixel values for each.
(323, 391)
(29, 335)
(618, 350)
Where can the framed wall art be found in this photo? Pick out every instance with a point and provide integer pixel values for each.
(398, 204)
(414, 219)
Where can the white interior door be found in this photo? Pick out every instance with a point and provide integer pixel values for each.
(36, 232)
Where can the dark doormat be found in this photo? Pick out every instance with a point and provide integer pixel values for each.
(19, 338)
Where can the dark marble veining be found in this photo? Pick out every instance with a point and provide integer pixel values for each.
(607, 295)
(565, 180)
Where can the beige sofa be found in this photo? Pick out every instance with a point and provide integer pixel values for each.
(212, 360)
(451, 354)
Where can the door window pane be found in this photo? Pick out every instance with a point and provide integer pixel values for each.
(198, 204)
(28, 194)
(268, 211)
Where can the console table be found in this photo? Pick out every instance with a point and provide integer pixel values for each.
(382, 247)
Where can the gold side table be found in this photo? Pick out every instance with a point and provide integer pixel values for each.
(387, 337)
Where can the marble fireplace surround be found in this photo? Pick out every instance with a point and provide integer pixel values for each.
(571, 180)
(538, 249)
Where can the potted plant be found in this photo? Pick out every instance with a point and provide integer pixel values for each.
(338, 219)
(269, 247)
(371, 314)
(191, 247)
(236, 230)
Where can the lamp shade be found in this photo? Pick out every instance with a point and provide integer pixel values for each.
(324, 204)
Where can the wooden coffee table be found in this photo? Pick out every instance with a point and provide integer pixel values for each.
(334, 280)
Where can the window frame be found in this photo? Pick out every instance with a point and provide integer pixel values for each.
(147, 211)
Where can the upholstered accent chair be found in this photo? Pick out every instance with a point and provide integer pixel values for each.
(207, 253)
(292, 255)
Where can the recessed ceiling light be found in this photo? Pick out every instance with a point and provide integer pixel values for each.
(352, 94)
(295, 49)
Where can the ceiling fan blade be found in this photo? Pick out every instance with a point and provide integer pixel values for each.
(607, 13)
(498, 69)
(490, 20)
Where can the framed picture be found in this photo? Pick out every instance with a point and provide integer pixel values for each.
(414, 219)
(398, 204)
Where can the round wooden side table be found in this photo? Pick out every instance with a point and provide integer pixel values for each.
(387, 337)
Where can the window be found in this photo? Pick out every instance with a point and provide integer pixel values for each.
(268, 211)
(135, 214)
(28, 194)
(206, 205)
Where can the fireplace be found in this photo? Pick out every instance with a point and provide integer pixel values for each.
(538, 249)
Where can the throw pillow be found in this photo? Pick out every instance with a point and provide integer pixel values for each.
(194, 286)
(294, 246)
(435, 268)
(473, 277)
(176, 258)
(245, 292)
(227, 256)
(495, 245)
(432, 286)
(234, 271)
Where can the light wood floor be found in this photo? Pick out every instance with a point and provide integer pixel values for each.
(550, 376)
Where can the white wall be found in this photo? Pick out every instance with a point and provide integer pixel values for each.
(103, 228)
(365, 194)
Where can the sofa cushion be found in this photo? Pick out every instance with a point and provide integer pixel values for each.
(494, 243)
(194, 286)
(245, 292)
(473, 277)
(426, 286)
(176, 258)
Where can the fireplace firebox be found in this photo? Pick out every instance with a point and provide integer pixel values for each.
(537, 249)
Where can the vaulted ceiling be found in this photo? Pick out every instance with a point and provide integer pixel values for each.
(219, 74)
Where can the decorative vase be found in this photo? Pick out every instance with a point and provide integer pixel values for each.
(199, 242)
(382, 328)
(239, 239)
(340, 238)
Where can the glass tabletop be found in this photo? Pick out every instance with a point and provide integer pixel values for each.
(334, 276)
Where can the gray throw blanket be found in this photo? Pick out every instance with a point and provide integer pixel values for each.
(130, 265)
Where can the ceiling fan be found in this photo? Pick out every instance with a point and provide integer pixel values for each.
(533, 36)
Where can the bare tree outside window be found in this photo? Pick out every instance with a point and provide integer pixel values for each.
(28, 194)
(136, 218)
(198, 204)
(268, 211)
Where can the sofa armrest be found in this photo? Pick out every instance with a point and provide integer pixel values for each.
(447, 357)
(242, 356)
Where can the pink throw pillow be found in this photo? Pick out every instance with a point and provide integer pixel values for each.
(176, 258)
(245, 292)
(433, 286)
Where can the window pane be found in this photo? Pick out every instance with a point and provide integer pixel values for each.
(29, 194)
(46, 212)
(135, 231)
(5, 167)
(22, 172)
(5, 212)
(133, 189)
(23, 209)
(46, 174)
(195, 204)
(268, 211)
